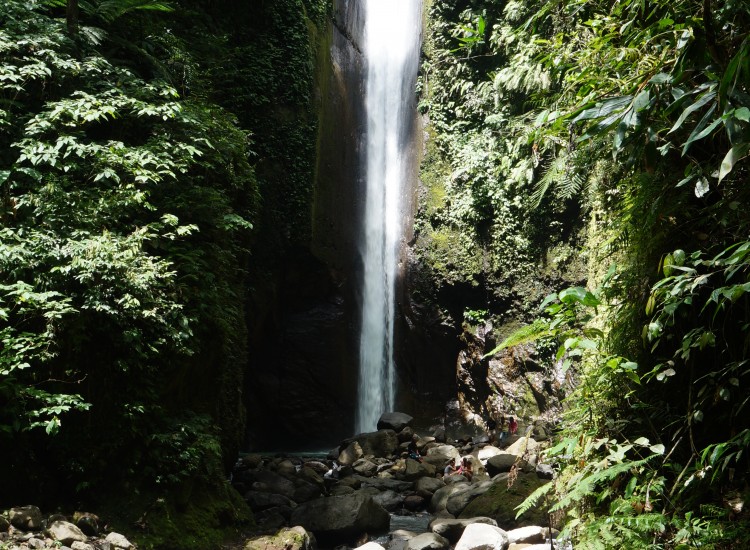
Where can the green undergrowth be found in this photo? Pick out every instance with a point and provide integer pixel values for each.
(193, 516)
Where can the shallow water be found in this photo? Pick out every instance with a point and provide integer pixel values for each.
(418, 524)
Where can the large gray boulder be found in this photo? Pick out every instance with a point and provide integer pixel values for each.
(500, 502)
(341, 519)
(485, 453)
(531, 534)
(365, 468)
(439, 500)
(294, 538)
(523, 445)
(350, 454)
(480, 536)
(460, 499)
(442, 454)
(259, 500)
(65, 532)
(395, 421)
(380, 444)
(452, 529)
(415, 470)
(502, 462)
(428, 485)
(25, 518)
(118, 541)
(427, 541)
(385, 483)
(270, 482)
(390, 500)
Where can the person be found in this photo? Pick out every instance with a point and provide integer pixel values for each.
(491, 427)
(450, 469)
(504, 427)
(512, 425)
(414, 452)
(466, 468)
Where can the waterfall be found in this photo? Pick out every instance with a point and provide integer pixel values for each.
(392, 40)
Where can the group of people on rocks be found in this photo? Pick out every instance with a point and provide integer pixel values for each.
(465, 468)
(500, 431)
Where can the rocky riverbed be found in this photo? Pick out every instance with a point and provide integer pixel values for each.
(356, 495)
(366, 493)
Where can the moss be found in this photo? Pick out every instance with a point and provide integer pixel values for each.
(500, 502)
(190, 517)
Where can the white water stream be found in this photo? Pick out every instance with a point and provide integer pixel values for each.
(392, 40)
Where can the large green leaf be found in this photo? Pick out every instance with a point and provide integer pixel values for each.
(735, 154)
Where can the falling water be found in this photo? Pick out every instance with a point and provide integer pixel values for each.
(392, 37)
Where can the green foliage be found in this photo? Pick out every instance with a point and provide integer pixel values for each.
(638, 112)
(126, 212)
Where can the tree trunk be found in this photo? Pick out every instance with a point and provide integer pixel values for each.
(71, 17)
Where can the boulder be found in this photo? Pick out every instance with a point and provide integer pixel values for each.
(340, 489)
(439, 434)
(427, 541)
(65, 532)
(271, 482)
(258, 500)
(395, 421)
(365, 468)
(390, 500)
(480, 536)
(25, 518)
(461, 498)
(381, 444)
(442, 453)
(407, 434)
(251, 461)
(341, 519)
(86, 522)
(306, 491)
(545, 471)
(385, 483)
(287, 468)
(370, 546)
(428, 485)
(503, 462)
(317, 466)
(439, 500)
(309, 475)
(523, 445)
(34, 543)
(355, 482)
(116, 540)
(77, 545)
(4, 524)
(531, 534)
(454, 478)
(351, 453)
(452, 529)
(414, 503)
(499, 502)
(485, 453)
(415, 470)
(292, 538)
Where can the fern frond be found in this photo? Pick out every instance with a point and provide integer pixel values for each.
(533, 498)
(554, 172)
(529, 333)
(586, 486)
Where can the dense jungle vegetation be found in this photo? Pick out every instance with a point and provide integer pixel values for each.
(157, 162)
(601, 146)
(142, 199)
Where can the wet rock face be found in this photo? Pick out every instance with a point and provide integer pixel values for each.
(511, 383)
(301, 383)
